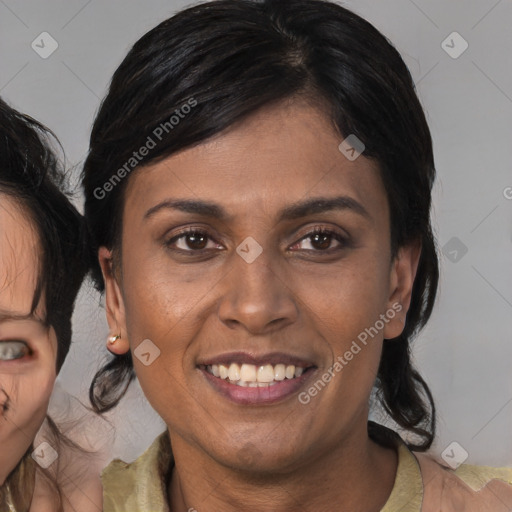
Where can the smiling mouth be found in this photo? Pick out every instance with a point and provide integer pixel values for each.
(245, 378)
(250, 375)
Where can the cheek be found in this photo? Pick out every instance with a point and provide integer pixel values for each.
(155, 281)
(346, 298)
(159, 308)
(28, 398)
(346, 307)
(167, 304)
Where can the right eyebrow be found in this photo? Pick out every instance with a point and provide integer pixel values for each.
(190, 206)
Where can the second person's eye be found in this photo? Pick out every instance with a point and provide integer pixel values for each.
(10, 350)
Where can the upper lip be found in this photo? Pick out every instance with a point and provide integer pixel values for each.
(272, 358)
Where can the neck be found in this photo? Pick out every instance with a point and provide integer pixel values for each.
(357, 473)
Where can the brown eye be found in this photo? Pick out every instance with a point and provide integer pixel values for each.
(10, 350)
(320, 240)
(196, 240)
(192, 240)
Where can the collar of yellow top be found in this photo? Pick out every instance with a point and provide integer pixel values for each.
(141, 486)
(407, 492)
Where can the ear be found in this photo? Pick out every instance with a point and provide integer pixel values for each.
(403, 273)
(114, 304)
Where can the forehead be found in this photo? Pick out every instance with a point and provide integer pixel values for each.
(19, 260)
(280, 154)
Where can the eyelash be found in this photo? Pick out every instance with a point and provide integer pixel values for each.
(343, 240)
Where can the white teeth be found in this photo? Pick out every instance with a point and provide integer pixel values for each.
(279, 372)
(234, 372)
(250, 375)
(265, 373)
(223, 371)
(290, 372)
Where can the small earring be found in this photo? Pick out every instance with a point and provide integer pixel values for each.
(113, 339)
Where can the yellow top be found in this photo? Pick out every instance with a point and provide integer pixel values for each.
(421, 484)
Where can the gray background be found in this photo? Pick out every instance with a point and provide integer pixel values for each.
(465, 353)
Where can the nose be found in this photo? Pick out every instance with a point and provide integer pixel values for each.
(257, 296)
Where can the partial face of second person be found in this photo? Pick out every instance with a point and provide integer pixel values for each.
(305, 297)
(27, 347)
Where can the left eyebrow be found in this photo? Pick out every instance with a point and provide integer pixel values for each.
(320, 205)
(291, 212)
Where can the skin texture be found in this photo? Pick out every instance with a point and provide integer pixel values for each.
(27, 381)
(293, 298)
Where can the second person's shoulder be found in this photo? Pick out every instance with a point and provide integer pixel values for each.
(470, 488)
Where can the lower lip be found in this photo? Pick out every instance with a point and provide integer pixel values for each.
(255, 396)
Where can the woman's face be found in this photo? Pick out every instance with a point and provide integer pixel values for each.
(256, 293)
(27, 347)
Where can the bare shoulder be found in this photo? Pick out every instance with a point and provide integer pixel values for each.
(470, 488)
(84, 494)
(80, 481)
(71, 466)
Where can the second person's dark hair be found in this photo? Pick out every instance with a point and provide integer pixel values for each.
(32, 176)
